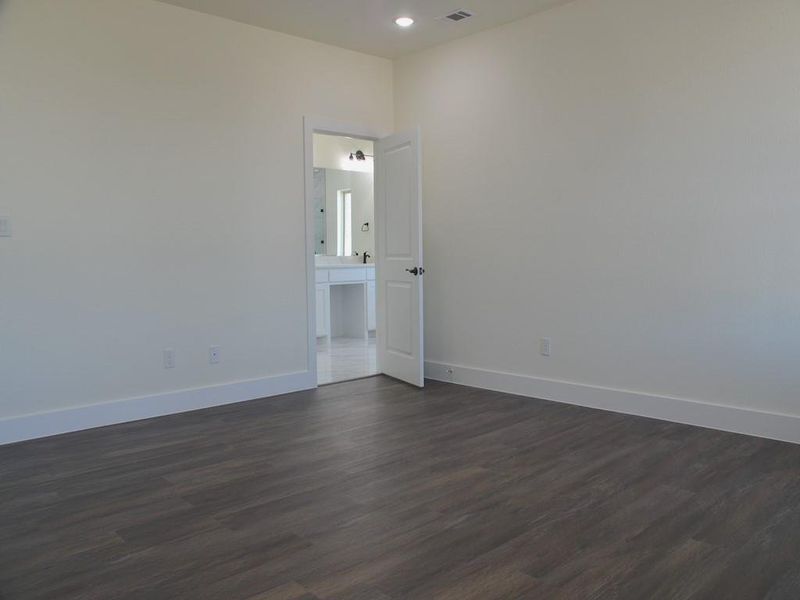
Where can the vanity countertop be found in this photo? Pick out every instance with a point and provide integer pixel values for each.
(340, 262)
(348, 266)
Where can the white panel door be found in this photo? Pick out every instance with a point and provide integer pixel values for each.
(398, 239)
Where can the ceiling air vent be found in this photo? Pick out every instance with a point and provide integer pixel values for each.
(458, 15)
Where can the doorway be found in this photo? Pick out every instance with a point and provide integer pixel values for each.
(364, 307)
(344, 250)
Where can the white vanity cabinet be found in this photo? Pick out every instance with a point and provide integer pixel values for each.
(371, 319)
(323, 310)
(345, 300)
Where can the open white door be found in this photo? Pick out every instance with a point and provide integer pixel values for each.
(398, 243)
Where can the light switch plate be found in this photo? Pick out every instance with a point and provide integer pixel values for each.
(5, 226)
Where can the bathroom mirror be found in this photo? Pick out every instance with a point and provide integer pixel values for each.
(344, 209)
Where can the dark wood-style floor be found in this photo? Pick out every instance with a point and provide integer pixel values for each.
(374, 490)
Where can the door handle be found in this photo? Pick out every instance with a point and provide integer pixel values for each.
(416, 271)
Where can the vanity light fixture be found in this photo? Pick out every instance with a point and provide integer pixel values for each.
(359, 155)
(404, 21)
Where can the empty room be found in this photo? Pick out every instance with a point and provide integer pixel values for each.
(399, 299)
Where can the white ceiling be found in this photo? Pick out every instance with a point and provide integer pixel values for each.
(368, 25)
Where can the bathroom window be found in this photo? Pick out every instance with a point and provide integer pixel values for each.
(344, 223)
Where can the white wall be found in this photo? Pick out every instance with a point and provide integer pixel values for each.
(151, 160)
(621, 176)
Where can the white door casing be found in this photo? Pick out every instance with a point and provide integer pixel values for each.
(399, 266)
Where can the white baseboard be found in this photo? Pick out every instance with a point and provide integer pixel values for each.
(27, 427)
(679, 410)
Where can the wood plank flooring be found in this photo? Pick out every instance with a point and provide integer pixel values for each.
(373, 490)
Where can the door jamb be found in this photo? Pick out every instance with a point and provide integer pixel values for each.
(312, 125)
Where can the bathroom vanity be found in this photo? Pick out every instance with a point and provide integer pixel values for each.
(345, 298)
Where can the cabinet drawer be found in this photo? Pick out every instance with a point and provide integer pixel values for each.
(356, 274)
(322, 275)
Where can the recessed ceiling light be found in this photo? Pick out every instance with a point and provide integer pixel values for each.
(404, 21)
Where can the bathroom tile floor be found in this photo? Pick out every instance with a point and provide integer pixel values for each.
(345, 358)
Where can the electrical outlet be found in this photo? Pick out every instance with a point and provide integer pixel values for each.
(5, 226)
(169, 358)
(213, 355)
(544, 346)
(450, 374)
